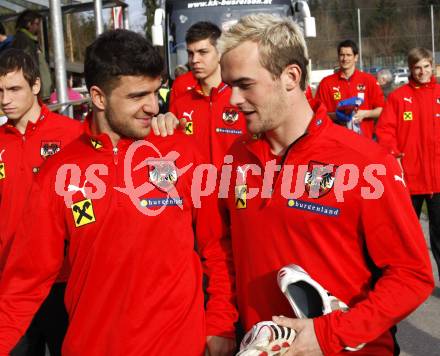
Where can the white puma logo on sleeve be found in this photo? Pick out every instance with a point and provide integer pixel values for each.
(399, 179)
(188, 115)
(74, 188)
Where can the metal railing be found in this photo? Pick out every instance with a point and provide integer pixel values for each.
(68, 106)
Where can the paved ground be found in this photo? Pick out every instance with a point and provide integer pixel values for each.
(419, 334)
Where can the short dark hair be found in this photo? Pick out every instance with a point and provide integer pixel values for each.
(201, 31)
(26, 17)
(13, 59)
(349, 43)
(119, 53)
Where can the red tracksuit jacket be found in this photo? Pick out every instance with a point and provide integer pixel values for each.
(135, 286)
(409, 126)
(181, 85)
(20, 160)
(212, 122)
(335, 88)
(328, 238)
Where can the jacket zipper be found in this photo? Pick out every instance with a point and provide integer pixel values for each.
(433, 150)
(211, 131)
(116, 167)
(115, 155)
(266, 202)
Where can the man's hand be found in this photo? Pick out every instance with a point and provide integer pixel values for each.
(165, 124)
(305, 343)
(360, 115)
(219, 346)
(367, 114)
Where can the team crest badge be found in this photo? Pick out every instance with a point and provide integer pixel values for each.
(240, 196)
(361, 87)
(83, 213)
(162, 174)
(2, 170)
(49, 148)
(230, 116)
(337, 95)
(319, 179)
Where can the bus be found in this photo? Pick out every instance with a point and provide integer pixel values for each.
(174, 17)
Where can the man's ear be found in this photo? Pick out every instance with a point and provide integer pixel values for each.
(98, 97)
(36, 87)
(291, 76)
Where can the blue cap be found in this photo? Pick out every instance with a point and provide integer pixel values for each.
(346, 108)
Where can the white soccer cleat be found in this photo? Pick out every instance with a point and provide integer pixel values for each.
(267, 339)
(307, 297)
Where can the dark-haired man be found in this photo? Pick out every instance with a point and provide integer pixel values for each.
(210, 119)
(350, 82)
(135, 286)
(31, 135)
(26, 38)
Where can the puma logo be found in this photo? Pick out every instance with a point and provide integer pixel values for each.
(409, 100)
(242, 171)
(399, 179)
(188, 115)
(336, 88)
(74, 188)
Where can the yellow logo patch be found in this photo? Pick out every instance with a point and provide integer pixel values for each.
(83, 213)
(96, 144)
(337, 95)
(240, 196)
(2, 171)
(189, 128)
(407, 116)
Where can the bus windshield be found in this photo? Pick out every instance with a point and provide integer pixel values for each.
(180, 19)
